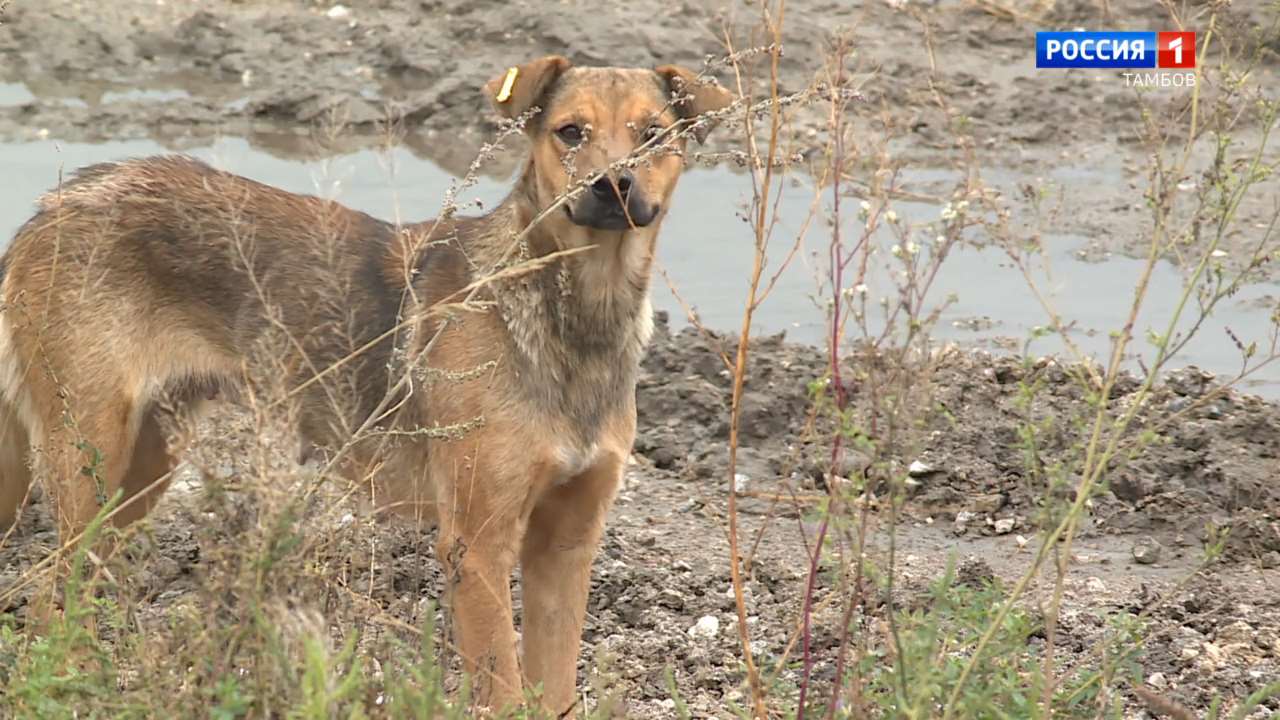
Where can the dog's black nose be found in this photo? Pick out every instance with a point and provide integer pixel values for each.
(605, 189)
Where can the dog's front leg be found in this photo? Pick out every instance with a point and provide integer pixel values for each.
(481, 523)
(560, 543)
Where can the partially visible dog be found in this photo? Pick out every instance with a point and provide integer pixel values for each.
(147, 283)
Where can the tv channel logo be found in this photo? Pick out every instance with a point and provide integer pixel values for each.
(1115, 49)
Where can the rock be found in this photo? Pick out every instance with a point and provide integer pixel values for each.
(729, 601)
(974, 572)
(1147, 551)
(1238, 632)
(1130, 486)
(1214, 656)
(664, 457)
(852, 464)
(1095, 585)
(1006, 374)
(919, 469)
(339, 12)
(708, 626)
(1270, 560)
(689, 505)
(1004, 526)
(1192, 436)
(986, 504)
(671, 599)
(1189, 381)
(1124, 385)
(963, 518)
(1157, 681)
(759, 418)
(741, 483)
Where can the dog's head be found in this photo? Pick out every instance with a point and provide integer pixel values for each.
(592, 120)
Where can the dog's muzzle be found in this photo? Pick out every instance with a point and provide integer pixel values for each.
(613, 205)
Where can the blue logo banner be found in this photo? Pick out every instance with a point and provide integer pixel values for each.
(1095, 49)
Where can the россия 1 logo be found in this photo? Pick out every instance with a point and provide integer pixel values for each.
(1115, 49)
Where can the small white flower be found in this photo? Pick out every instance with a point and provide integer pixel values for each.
(866, 206)
(940, 240)
(1218, 253)
(911, 248)
(896, 250)
(891, 216)
(860, 288)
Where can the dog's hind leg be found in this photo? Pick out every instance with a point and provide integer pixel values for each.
(559, 546)
(15, 470)
(142, 482)
(87, 450)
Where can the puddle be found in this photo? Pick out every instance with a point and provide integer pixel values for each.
(144, 95)
(91, 93)
(705, 250)
(14, 94)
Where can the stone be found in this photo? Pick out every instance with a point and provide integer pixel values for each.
(759, 417)
(1147, 551)
(708, 626)
(671, 599)
(986, 504)
(918, 469)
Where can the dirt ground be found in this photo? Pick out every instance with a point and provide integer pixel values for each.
(662, 567)
(183, 71)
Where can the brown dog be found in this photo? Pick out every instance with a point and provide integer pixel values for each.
(507, 420)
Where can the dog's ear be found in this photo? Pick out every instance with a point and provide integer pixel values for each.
(695, 95)
(521, 87)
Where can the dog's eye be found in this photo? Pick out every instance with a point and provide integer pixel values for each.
(571, 134)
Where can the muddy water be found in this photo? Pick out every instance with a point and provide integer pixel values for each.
(705, 250)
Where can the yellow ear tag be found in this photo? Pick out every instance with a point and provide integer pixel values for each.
(507, 83)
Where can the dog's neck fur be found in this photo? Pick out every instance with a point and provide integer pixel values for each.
(579, 325)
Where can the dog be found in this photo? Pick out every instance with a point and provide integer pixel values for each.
(477, 373)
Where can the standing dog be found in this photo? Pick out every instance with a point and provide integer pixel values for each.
(506, 420)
